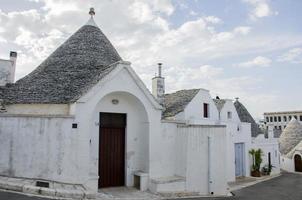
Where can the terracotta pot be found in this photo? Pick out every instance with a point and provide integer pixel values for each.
(255, 173)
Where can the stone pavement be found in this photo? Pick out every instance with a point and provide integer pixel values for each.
(285, 187)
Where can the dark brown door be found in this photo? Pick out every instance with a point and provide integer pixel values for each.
(298, 163)
(112, 150)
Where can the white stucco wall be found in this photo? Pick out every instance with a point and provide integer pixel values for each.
(287, 164)
(193, 112)
(169, 150)
(184, 153)
(40, 148)
(204, 171)
(38, 109)
(268, 145)
(142, 110)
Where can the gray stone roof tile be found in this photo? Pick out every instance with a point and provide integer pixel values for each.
(176, 102)
(68, 73)
(245, 116)
(290, 137)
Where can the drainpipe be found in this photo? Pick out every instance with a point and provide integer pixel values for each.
(209, 167)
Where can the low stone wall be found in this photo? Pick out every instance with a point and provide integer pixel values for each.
(39, 147)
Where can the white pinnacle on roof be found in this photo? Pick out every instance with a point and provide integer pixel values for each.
(290, 137)
(91, 21)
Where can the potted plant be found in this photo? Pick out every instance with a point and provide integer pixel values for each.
(267, 169)
(257, 160)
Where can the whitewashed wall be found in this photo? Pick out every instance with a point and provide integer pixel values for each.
(143, 128)
(268, 145)
(237, 132)
(169, 150)
(193, 112)
(137, 132)
(203, 168)
(287, 164)
(39, 148)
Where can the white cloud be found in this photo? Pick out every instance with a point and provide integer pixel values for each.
(292, 56)
(244, 30)
(142, 33)
(213, 19)
(259, 61)
(260, 9)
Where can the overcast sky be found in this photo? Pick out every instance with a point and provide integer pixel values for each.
(251, 49)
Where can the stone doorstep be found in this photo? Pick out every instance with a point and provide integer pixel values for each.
(26, 186)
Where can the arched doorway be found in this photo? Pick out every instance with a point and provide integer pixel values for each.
(298, 163)
(123, 139)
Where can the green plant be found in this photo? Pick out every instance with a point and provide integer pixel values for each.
(267, 169)
(257, 159)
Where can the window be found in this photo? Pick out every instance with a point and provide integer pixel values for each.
(289, 118)
(280, 127)
(279, 118)
(276, 127)
(229, 115)
(301, 118)
(267, 119)
(206, 110)
(275, 119)
(271, 119)
(295, 117)
(285, 118)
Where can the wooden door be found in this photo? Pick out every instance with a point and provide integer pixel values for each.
(239, 159)
(298, 163)
(112, 150)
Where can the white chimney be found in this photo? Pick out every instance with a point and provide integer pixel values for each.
(13, 59)
(158, 85)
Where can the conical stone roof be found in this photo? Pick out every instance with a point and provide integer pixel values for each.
(68, 72)
(290, 137)
(245, 116)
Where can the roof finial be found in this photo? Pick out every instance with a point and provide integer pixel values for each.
(91, 12)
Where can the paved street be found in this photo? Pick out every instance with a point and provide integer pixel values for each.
(285, 187)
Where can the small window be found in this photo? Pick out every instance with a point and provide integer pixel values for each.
(280, 128)
(229, 115)
(206, 110)
(285, 118)
(275, 119)
(295, 117)
(279, 118)
(301, 118)
(271, 119)
(267, 119)
(290, 117)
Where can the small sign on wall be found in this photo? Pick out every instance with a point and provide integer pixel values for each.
(74, 125)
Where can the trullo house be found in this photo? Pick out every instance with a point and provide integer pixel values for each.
(83, 120)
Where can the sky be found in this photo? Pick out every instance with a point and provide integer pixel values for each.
(251, 49)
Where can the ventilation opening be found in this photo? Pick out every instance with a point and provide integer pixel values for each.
(42, 184)
(137, 182)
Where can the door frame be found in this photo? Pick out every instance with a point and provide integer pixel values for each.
(125, 147)
(295, 162)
